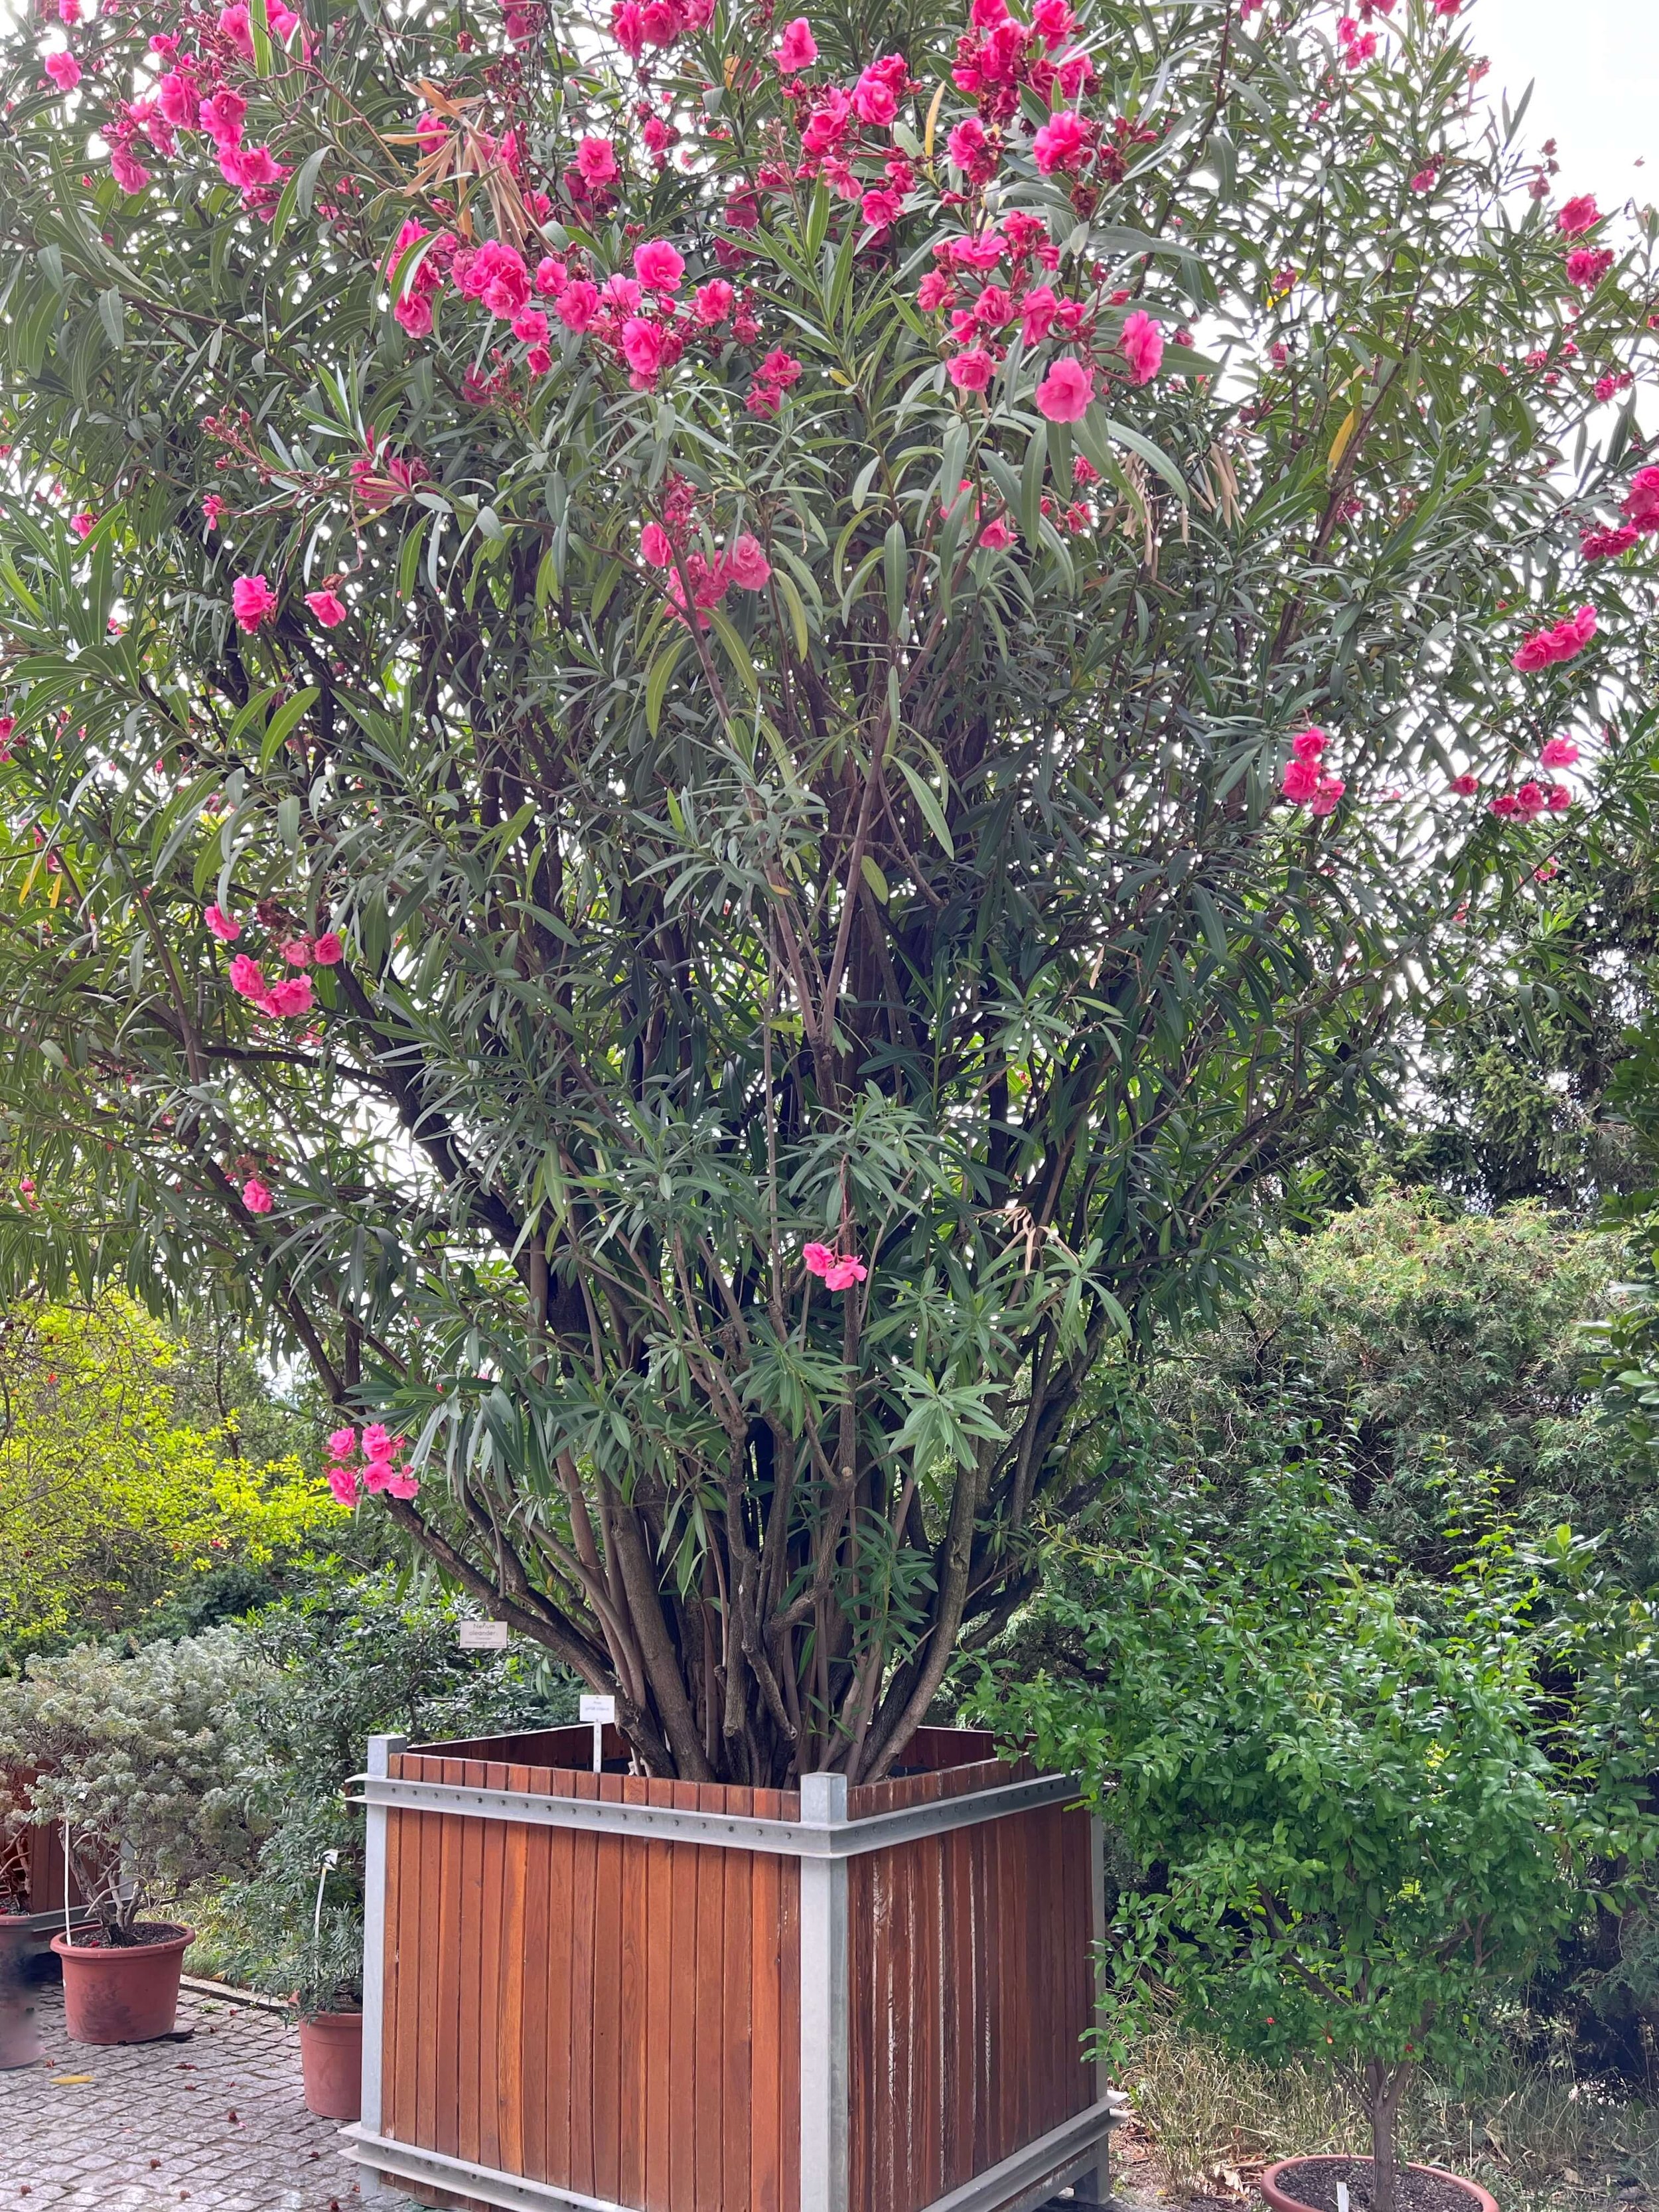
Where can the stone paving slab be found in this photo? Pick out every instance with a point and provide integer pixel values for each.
(217, 2123)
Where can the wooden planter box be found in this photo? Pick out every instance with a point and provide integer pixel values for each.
(604, 1991)
(38, 1854)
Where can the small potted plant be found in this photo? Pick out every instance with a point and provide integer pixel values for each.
(1358, 1818)
(137, 1760)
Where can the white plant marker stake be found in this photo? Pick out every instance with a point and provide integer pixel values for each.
(1341, 2196)
(601, 1713)
(69, 1932)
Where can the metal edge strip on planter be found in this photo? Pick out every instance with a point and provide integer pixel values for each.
(728, 1831)
(1045, 2163)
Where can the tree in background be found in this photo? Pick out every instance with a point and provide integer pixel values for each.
(1359, 1816)
(699, 801)
(1416, 1353)
(113, 1513)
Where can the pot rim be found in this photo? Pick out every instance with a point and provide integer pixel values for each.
(180, 1940)
(328, 2019)
(1283, 2196)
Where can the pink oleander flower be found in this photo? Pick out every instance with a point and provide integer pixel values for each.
(129, 173)
(256, 1196)
(292, 996)
(1588, 264)
(596, 160)
(252, 601)
(296, 951)
(1642, 501)
(1064, 394)
(1559, 752)
(413, 314)
(176, 98)
(1060, 143)
(712, 302)
(1466, 785)
(817, 1259)
(329, 608)
(971, 370)
(997, 537)
(343, 1484)
(967, 143)
(1560, 797)
(1546, 646)
(843, 1272)
(328, 951)
(644, 346)
(83, 523)
(1308, 745)
(1531, 799)
(1142, 345)
(1577, 215)
(63, 71)
(225, 927)
(935, 292)
(247, 977)
(797, 48)
(656, 546)
(1609, 544)
(1053, 22)
(341, 1444)
(403, 1485)
(212, 507)
(746, 563)
(577, 303)
(1037, 311)
(377, 1440)
(657, 266)
(1330, 789)
(377, 1474)
(875, 96)
(1301, 781)
(551, 276)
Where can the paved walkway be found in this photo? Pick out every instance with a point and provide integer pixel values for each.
(217, 2123)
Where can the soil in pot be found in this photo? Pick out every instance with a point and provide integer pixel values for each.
(123, 1992)
(1312, 2182)
(331, 2064)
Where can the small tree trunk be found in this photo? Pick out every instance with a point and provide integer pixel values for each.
(1383, 2088)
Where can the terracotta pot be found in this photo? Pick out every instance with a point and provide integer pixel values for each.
(20, 2030)
(332, 2062)
(1278, 2183)
(123, 1993)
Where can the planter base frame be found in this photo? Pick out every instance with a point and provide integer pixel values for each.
(1030, 2176)
(827, 1839)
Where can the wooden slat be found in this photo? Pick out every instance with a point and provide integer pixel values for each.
(736, 2049)
(683, 2020)
(708, 2096)
(583, 1904)
(658, 2019)
(636, 1974)
(543, 2024)
(510, 2073)
(765, 1873)
(494, 1935)
(607, 2062)
(469, 1840)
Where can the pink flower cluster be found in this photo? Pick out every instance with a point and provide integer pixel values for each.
(1305, 783)
(379, 1469)
(1641, 506)
(1567, 638)
(838, 1271)
(286, 997)
(667, 545)
(194, 93)
(1531, 800)
(657, 22)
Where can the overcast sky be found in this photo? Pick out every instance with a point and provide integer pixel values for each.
(1596, 67)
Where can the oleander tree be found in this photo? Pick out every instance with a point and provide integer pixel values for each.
(724, 733)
